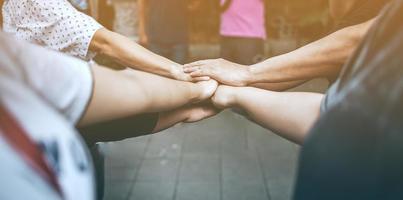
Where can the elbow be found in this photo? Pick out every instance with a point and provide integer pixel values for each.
(101, 43)
(357, 33)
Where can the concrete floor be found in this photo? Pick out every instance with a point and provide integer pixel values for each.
(222, 158)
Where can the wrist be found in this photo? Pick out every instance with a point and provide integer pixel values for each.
(247, 77)
(176, 71)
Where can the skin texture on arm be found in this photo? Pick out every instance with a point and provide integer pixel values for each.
(186, 114)
(322, 58)
(129, 92)
(289, 114)
(133, 55)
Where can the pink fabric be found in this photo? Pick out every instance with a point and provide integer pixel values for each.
(244, 18)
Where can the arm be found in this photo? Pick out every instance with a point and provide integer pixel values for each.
(186, 114)
(131, 54)
(144, 124)
(103, 96)
(322, 58)
(118, 94)
(289, 114)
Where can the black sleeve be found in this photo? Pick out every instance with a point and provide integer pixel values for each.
(120, 129)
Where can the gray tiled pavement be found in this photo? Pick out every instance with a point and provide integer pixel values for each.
(222, 158)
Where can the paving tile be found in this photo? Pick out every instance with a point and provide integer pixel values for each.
(159, 170)
(200, 169)
(125, 153)
(152, 191)
(281, 188)
(120, 173)
(227, 146)
(242, 190)
(257, 136)
(241, 167)
(111, 162)
(117, 190)
(166, 144)
(202, 139)
(234, 135)
(279, 162)
(198, 191)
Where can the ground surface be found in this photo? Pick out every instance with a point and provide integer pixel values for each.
(222, 158)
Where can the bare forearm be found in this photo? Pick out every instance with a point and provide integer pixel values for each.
(186, 114)
(124, 93)
(323, 58)
(169, 119)
(289, 114)
(133, 55)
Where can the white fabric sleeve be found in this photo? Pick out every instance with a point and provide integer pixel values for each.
(66, 83)
(55, 24)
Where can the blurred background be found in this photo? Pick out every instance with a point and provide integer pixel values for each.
(226, 157)
(289, 23)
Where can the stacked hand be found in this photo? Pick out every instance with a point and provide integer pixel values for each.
(223, 71)
(216, 97)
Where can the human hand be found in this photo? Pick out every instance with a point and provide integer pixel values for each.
(187, 114)
(224, 97)
(223, 71)
(204, 90)
(178, 73)
(200, 112)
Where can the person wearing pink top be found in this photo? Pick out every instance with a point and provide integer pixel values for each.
(242, 30)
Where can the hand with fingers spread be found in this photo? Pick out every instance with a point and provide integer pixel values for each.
(178, 73)
(223, 71)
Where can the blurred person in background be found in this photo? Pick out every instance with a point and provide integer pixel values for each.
(126, 19)
(164, 28)
(320, 59)
(72, 32)
(242, 31)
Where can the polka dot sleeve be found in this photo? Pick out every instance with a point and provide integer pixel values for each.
(55, 24)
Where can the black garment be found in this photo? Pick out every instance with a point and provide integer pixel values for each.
(120, 129)
(355, 149)
(241, 50)
(114, 130)
(363, 11)
(166, 21)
